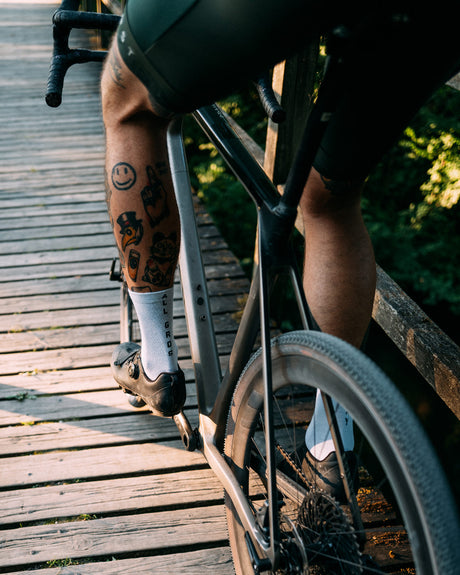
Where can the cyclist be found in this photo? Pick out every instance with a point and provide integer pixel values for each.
(172, 56)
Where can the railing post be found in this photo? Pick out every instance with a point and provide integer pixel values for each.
(293, 83)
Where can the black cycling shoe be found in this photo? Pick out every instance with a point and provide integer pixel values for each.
(165, 395)
(325, 474)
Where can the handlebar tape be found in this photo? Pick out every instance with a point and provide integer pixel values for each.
(269, 102)
(64, 19)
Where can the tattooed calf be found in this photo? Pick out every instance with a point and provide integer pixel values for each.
(154, 198)
(161, 266)
(130, 228)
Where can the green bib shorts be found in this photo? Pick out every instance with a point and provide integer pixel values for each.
(190, 53)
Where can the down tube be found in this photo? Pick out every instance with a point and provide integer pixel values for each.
(193, 280)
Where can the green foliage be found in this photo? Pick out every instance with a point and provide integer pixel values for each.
(61, 563)
(412, 207)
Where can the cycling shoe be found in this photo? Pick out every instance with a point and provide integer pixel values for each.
(165, 395)
(325, 474)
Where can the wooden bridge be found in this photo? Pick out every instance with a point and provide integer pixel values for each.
(89, 484)
(84, 477)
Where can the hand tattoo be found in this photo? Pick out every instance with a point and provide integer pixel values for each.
(154, 198)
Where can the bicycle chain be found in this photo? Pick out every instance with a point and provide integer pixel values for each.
(293, 464)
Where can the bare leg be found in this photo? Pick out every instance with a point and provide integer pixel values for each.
(339, 281)
(145, 220)
(339, 267)
(140, 196)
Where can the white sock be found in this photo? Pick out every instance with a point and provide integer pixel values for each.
(318, 437)
(154, 311)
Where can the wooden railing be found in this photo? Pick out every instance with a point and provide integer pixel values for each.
(113, 6)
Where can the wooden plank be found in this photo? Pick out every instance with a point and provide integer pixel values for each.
(144, 532)
(106, 250)
(136, 426)
(40, 361)
(212, 561)
(45, 211)
(54, 200)
(181, 488)
(37, 383)
(75, 229)
(60, 301)
(89, 298)
(79, 283)
(36, 222)
(32, 409)
(145, 458)
(78, 315)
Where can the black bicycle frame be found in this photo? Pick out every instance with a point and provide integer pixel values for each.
(276, 218)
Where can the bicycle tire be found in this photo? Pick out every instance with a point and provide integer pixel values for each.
(386, 423)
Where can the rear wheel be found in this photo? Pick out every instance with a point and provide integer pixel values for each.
(407, 519)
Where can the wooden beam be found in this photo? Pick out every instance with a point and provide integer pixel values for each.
(293, 83)
(425, 345)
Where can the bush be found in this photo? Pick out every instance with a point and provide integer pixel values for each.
(412, 208)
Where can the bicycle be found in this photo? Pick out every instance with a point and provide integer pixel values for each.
(252, 420)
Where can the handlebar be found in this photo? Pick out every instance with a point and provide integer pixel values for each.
(67, 17)
(269, 102)
(64, 19)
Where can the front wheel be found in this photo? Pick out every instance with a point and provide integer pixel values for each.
(407, 521)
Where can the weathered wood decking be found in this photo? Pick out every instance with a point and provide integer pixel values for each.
(88, 484)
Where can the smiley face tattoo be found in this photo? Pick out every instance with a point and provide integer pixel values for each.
(123, 176)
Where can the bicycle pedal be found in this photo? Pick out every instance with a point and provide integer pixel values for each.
(189, 436)
(114, 274)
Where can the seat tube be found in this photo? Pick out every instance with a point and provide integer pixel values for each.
(193, 280)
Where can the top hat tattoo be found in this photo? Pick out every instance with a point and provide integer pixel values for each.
(130, 228)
